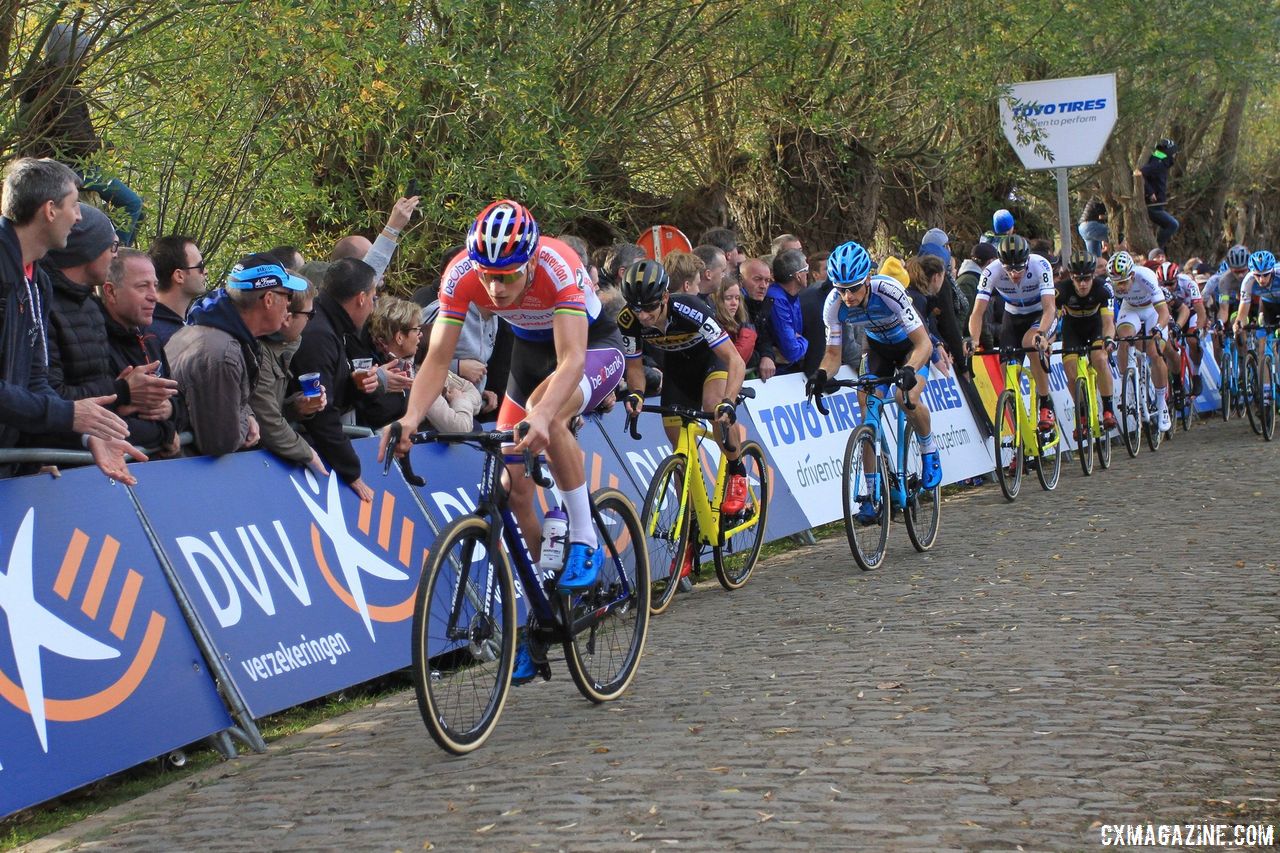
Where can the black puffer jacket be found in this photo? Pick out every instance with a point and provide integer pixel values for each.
(133, 347)
(79, 364)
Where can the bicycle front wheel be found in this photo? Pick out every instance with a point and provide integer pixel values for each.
(1086, 410)
(464, 636)
(742, 535)
(923, 512)
(1130, 419)
(609, 622)
(1009, 449)
(667, 524)
(867, 512)
(1049, 446)
(1266, 398)
(1225, 383)
(1251, 390)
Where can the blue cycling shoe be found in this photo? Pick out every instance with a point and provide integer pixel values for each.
(866, 513)
(525, 669)
(931, 477)
(581, 567)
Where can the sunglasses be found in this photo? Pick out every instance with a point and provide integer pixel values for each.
(199, 266)
(853, 286)
(1016, 267)
(645, 309)
(308, 314)
(507, 277)
(1086, 277)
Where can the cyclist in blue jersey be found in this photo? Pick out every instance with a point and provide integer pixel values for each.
(1262, 284)
(898, 347)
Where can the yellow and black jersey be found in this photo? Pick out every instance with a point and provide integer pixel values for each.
(1099, 299)
(690, 324)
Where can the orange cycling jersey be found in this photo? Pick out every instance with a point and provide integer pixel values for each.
(561, 285)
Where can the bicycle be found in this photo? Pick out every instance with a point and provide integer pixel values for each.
(1265, 372)
(680, 517)
(1091, 435)
(1181, 399)
(465, 617)
(1139, 412)
(1232, 396)
(1017, 428)
(897, 486)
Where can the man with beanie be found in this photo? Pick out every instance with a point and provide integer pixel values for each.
(790, 275)
(215, 357)
(1155, 175)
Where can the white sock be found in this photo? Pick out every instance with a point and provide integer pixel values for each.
(1160, 400)
(927, 444)
(578, 506)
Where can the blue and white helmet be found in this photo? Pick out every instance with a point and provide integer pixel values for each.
(503, 235)
(1262, 262)
(848, 265)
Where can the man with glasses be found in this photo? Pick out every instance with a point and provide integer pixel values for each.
(701, 367)
(790, 277)
(898, 349)
(215, 358)
(1025, 281)
(566, 360)
(1084, 300)
(1142, 308)
(181, 273)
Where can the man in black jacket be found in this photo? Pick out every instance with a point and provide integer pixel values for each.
(343, 307)
(129, 297)
(78, 365)
(1155, 175)
(40, 205)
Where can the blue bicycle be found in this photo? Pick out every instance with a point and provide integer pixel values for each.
(465, 618)
(873, 486)
(1264, 372)
(1233, 398)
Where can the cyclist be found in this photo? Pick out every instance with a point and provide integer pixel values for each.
(1262, 285)
(898, 347)
(1186, 308)
(1221, 293)
(702, 369)
(1025, 280)
(566, 360)
(1084, 301)
(1142, 306)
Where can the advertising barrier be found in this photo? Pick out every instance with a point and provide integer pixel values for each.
(98, 671)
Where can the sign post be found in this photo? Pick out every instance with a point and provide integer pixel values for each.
(1059, 124)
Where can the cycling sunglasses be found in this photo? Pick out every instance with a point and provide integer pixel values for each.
(853, 285)
(504, 277)
(645, 309)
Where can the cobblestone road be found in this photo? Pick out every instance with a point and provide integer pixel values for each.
(1106, 654)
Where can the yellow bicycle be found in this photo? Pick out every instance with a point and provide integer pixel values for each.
(1019, 443)
(680, 516)
(1091, 435)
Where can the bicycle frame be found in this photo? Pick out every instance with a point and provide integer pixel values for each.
(1015, 372)
(1086, 370)
(874, 415)
(706, 511)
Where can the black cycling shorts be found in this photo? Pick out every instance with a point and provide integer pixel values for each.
(1079, 332)
(1014, 328)
(883, 360)
(684, 375)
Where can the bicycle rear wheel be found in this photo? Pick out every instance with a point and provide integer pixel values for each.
(1226, 383)
(1085, 412)
(1252, 392)
(923, 512)
(1188, 399)
(609, 622)
(735, 557)
(866, 486)
(464, 636)
(668, 526)
(1130, 419)
(1266, 397)
(1154, 434)
(1009, 450)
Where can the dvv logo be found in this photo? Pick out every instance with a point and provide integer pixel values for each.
(83, 629)
(373, 568)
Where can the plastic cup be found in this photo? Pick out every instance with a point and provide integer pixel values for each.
(310, 384)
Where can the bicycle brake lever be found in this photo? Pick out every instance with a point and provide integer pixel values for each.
(632, 422)
(406, 468)
(393, 438)
(533, 469)
(817, 401)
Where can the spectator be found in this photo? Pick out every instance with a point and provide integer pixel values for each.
(755, 276)
(583, 252)
(726, 241)
(970, 276)
(818, 269)
(39, 207)
(183, 279)
(215, 358)
(343, 308)
(154, 411)
(488, 398)
(1001, 223)
(1093, 227)
(684, 271)
(784, 241)
(731, 314)
(952, 305)
(815, 328)
(715, 268)
(618, 257)
(78, 364)
(378, 253)
(396, 326)
(288, 257)
(57, 117)
(271, 407)
(1155, 177)
(790, 276)
(926, 275)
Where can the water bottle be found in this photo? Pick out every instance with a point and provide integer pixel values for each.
(555, 537)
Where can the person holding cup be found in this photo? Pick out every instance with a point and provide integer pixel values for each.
(271, 406)
(396, 330)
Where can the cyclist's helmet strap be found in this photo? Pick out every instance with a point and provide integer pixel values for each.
(1082, 262)
(644, 282)
(1014, 250)
(505, 234)
(1262, 262)
(848, 264)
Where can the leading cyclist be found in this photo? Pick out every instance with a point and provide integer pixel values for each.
(566, 360)
(1142, 307)
(898, 349)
